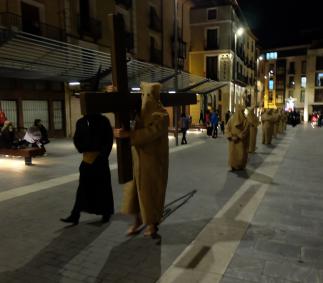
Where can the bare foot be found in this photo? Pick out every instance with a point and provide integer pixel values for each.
(151, 231)
(134, 229)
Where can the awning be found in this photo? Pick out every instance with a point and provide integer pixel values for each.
(27, 56)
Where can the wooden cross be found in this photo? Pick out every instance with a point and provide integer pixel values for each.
(122, 102)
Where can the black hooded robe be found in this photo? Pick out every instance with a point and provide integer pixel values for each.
(94, 194)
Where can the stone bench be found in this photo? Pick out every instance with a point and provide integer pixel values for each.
(28, 153)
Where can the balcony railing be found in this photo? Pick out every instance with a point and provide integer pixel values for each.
(211, 46)
(91, 28)
(10, 20)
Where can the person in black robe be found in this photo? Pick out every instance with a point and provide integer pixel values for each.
(94, 139)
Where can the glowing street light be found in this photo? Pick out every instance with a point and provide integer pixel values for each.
(239, 32)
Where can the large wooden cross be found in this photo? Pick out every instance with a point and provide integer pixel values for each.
(122, 102)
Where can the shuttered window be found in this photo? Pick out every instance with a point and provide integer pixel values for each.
(35, 109)
(58, 114)
(9, 107)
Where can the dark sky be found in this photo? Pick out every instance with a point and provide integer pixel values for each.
(283, 22)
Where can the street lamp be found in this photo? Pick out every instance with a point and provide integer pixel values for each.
(239, 32)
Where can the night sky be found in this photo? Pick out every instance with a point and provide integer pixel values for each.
(283, 22)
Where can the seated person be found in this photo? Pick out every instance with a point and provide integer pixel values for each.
(33, 137)
(7, 135)
(44, 133)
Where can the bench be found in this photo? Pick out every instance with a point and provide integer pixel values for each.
(28, 153)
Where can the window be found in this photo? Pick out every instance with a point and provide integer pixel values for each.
(303, 67)
(280, 84)
(319, 80)
(270, 97)
(291, 93)
(318, 97)
(271, 69)
(30, 17)
(84, 14)
(302, 96)
(291, 69)
(271, 84)
(212, 67)
(58, 114)
(319, 63)
(291, 82)
(211, 14)
(212, 39)
(303, 82)
(271, 56)
(279, 96)
(10, 108)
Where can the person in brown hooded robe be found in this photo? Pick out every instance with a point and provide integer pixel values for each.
(144, 196)
(281, 121)
(253, 124)
(267, 121)
(277, 118)
(237, 132)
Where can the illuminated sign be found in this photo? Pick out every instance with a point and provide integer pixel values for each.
(271, 55)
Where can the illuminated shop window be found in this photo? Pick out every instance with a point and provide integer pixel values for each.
(271, 55)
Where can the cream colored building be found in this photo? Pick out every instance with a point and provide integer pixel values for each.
(218, 52)
(293, 79)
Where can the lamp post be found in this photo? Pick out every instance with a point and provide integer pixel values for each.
(237, 34)
(259, 59)
(175, 109)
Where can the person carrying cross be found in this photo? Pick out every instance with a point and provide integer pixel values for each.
(144, 196)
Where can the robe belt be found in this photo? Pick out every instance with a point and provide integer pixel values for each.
(90, 156)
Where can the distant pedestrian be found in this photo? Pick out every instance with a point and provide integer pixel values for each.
(3, 117)
(253, 126)
(201, 120)
(184, 127)
(222, 127)
(214, 123)
(93, 138)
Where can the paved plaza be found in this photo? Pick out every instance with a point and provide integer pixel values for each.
(261, 225)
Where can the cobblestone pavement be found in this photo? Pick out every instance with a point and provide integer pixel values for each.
(262, 225)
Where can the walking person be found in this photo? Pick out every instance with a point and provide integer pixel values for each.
(237, 132)
(184, 127)
(253, 126)
(214, 124)
(144, 196)
(93, 138)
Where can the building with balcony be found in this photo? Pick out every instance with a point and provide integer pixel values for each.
(293, 78)
(45, 44)
(218, 53)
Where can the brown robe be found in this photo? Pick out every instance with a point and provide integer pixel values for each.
(145, 194)
(281, 122)
(253, 124)
(237, 132)
(276, 117)
(267, 121)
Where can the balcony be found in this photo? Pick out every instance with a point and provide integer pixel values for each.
(10, 20)
(211, 46)
(89, 27)
(155, 56)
